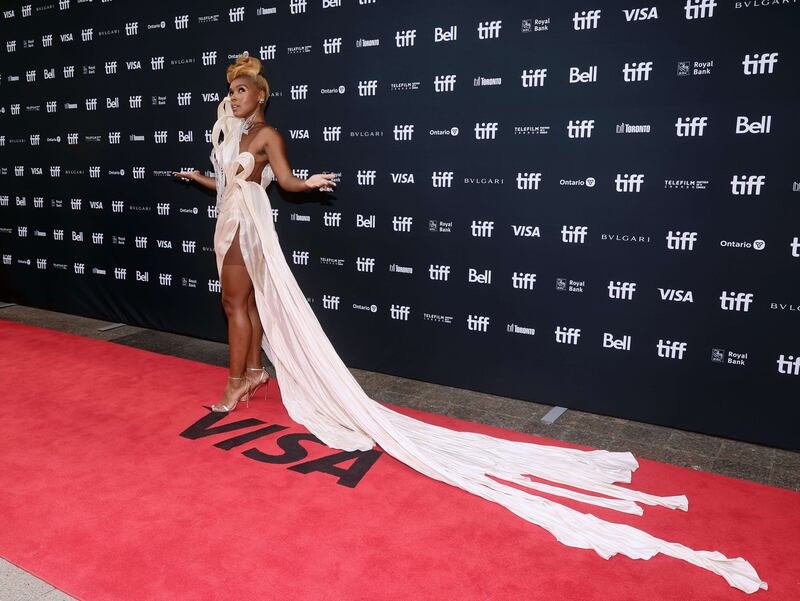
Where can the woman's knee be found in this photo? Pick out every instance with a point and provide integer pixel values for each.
(233, 304)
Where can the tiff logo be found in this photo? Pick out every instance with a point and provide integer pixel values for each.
(55, 170)
(116, 206)
(528, 181)
(574, 234)
(94, 171)
(365, 264)
(330, 302)
(35, 139)
(79, 268)
(367, 87)
(795, 246)
(132, 28)
(332, 219)
(120, 273)
(621, 290)
(481, 229)
(332, 45)
(114, 137)
(188, 246)
(267, 53)
(184, 98)
(760, 63)
(586, 19)
(97, 237)
(297, 7)
(523, 281)
(331, 133)
(405, 38)
(477, 323)
(489, 29)
(736, 301)
(140, 241)
(52, 106)
(181, 21)
(748, 185)
(160, 136)
(365, 177)
(214, 286)
(91, 104)
(165, 279)
(533, 78)
(236, 15)
(444, 83)
(442, 179)
(629, 183)
(111, 67)
(138, 172)
(69, 71)
(667, 349)
(690, 126)
(637, 71)
(789, 365)
(47, 40)
(699, 9)
(403, 132)
(300, 257)
(486, 131)
(87, 34)
(439, 273)
(567, 335)
(157, 63)
(681, 240)
(135, 102)
(400, 312)
(401, 224)
(162, 208)
(209, 58)
(299, 92)
(580, 129)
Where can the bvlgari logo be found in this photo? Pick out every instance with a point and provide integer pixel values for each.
(289, 443)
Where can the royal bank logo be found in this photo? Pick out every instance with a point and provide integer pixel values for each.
(687, 68)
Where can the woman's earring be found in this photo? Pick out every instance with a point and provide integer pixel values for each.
(260, 101)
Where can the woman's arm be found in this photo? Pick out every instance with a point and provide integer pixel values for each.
(276, 153)
(196, 176)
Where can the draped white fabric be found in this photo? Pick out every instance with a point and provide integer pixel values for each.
(321, 394)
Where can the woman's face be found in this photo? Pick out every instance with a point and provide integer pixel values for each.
(244, 94)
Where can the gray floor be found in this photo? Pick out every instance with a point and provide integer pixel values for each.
(762, 464)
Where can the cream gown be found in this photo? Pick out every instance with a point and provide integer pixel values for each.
(321, 394)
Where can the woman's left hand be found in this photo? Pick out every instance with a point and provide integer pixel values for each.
(322, 182)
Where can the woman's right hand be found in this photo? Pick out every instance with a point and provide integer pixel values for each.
(187, 175)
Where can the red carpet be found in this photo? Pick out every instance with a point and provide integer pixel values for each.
(104, 498)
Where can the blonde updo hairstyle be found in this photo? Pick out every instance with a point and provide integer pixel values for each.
(249, 66)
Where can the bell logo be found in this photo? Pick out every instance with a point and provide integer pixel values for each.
(578, 76)
(621, 344)
(142, 276)
(367, 222)
(474, 277)
(442, 35)
(745, 126)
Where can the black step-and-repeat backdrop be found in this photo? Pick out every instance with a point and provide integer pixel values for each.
(591, 205)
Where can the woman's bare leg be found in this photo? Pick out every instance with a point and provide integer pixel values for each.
(254, 354)
(236, 288)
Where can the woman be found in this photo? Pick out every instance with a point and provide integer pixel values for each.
(319, 391)
(247, 96)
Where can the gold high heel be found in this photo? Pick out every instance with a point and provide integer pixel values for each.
(263, 378)
(245, 394)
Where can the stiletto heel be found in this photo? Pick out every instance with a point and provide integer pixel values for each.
(263, 378)
(245, 394)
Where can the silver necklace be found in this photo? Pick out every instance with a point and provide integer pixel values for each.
(248, 123)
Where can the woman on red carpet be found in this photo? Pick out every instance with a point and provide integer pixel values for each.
(320, 393)
(259, 146)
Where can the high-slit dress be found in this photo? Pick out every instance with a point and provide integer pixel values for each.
(321, 394)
